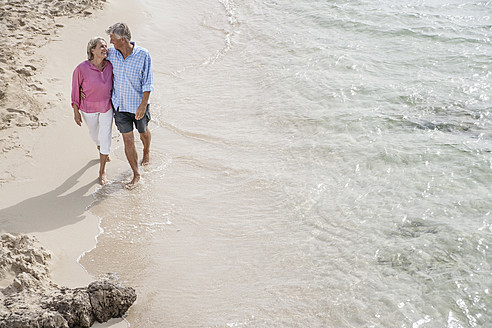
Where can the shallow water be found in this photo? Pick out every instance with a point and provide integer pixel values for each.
(314, 164)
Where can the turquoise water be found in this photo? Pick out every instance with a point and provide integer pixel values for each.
(315, 164)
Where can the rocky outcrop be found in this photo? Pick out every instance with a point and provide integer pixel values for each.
(32, 300)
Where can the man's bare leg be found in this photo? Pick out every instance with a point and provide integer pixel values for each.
(102, 169)
(132, 157)
(145, 138)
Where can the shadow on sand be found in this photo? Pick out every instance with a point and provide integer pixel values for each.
(51, 210)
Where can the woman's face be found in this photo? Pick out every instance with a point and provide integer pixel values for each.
(101, 50)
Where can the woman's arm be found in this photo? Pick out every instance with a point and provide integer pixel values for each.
(76, 114)
(76, 87)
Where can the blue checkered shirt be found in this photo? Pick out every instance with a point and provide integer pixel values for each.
(131, 78)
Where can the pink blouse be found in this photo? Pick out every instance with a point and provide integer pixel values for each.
(95, 84)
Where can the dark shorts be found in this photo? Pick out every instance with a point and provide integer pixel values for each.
(125, 121)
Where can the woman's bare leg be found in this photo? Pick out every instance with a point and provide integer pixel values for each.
(108, 159)
(102, 169)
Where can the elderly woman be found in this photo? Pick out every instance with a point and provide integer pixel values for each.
(94, 79)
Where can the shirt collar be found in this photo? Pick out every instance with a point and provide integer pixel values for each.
(94, 68)
(135, 50)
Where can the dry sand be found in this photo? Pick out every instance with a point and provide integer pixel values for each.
(49, 165)
(26, 26)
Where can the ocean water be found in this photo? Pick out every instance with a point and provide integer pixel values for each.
(315, 163)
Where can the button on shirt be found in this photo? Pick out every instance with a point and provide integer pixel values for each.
(132, 77)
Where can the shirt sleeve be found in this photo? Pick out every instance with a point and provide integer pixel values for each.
(148, 76)
(76, 84)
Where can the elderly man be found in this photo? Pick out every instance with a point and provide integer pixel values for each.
(132, 84)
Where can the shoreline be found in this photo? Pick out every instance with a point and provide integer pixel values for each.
(50, 165)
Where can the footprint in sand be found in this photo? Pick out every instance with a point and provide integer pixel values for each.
(24, 71)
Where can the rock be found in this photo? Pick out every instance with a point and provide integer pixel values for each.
(41, 319)
(101, 301)
(33, 300)
(18, 254)
(109, 300)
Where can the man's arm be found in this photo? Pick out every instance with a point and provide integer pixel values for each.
(147, 86)
(143, 105)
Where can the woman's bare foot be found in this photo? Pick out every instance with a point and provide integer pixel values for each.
(102, 179)
(134, 183)
(102, 169)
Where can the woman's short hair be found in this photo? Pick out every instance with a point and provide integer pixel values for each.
(120, 30)
(92, 45)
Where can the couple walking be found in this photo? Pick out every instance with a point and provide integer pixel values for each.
(117, 82)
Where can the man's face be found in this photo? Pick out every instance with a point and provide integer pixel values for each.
(115, 41)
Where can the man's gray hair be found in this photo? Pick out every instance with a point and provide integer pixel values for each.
(120, 30)
(92, 45)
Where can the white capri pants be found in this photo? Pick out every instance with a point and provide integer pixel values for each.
(100, 128)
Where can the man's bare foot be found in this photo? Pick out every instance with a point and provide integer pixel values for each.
(109, 159)
(145, 160)
(133, 184)
(102, 179)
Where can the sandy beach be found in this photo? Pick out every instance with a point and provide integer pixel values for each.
(308, 164)
(49, 165)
